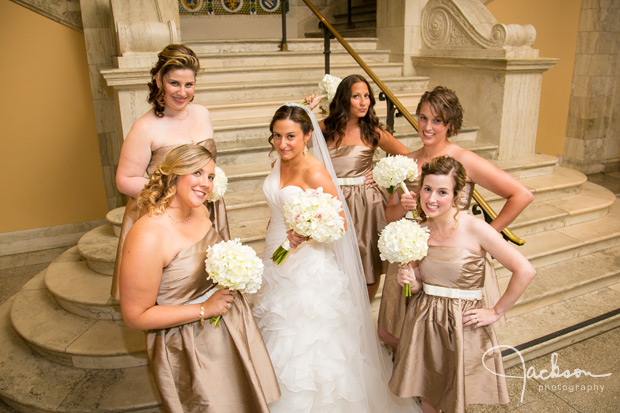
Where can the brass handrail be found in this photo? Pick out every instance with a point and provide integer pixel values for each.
(489, 213)
(364, 66)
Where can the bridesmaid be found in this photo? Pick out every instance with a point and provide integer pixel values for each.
(440, 116)
(448, 353)
(165, 291)
(353, 134)
(172, 121)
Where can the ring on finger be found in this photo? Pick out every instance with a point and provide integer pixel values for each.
(228, 305)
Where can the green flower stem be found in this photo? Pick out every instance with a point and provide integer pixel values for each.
(215, 320)
(407, 290)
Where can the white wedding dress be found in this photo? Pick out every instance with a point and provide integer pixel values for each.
(315, 320)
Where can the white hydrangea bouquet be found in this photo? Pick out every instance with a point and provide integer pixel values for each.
(393, 171)
(312, 213)
(234, 266)
(327, 90)
(403, 241)
(220, 184)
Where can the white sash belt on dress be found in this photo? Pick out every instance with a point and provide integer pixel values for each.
(452, 292)
(357, 180)
(203, 297)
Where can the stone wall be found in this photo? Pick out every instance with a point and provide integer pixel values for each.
(593, 126)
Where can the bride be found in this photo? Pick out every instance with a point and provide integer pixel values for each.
(312, 309)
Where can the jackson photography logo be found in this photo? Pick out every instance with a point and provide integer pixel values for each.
(563, 380)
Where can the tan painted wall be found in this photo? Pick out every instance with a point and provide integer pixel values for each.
(556, 23)
(50, 157)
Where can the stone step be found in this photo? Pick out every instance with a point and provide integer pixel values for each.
(357, 16)
(273, 45)
(266, 106)
(364, 32)
(567, 279)
(292, 58)
(31, 383)
(313, 71)
(72, 340)
(556, 182)
(591, 203)
(98, 247)
(80, 290)
(558, 325)
(115, 218)
(289, 89)
(565, 243)
(359, 22)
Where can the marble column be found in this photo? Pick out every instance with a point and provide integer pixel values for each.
(593, 127)
(398, 30)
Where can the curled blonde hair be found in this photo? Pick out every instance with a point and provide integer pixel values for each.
(443, 165)
(162, 185)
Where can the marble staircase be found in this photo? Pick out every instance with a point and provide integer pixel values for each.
(65, 347)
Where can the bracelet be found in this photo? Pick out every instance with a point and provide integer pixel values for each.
(202, 315)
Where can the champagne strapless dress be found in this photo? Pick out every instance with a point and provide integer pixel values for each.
(216, 209)
(437, 357)
(208, 369)
(393, 301)
(367, 205)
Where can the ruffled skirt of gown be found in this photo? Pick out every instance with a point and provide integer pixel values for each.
(304, 313)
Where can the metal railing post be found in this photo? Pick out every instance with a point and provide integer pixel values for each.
(284, 44)
(350, 24)
(327, 36)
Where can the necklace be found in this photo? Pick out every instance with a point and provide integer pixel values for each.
(441, 153)
(187, 218)
(436, 230)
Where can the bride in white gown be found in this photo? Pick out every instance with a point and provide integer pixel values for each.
(312, 309)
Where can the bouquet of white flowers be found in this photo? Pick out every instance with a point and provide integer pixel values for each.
(327, 88)
(235, 266)
(402, 242)
(219, 185)
(312, 213)
(395, 170)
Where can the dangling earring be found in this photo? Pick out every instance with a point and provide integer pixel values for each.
(305, 148)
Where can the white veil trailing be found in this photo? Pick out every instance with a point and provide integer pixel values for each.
(378, 365)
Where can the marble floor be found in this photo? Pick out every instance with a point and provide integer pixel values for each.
(597, 355)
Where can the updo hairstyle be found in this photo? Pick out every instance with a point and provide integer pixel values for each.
(295, 113)
(174, 56)
(443, 165)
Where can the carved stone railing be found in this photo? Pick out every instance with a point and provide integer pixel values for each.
(491, 66)
(143, 27)
(468, 25)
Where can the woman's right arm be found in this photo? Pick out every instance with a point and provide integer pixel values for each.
(397, 207)
(144, 255)
(134, 159)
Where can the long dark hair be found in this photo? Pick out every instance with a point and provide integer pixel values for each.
(340, 111)
(174, 56)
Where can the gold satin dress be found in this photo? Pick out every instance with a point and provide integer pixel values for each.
(367, 205)
(211, 369)
(217, 210)
(437, 357)
(393, 301)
